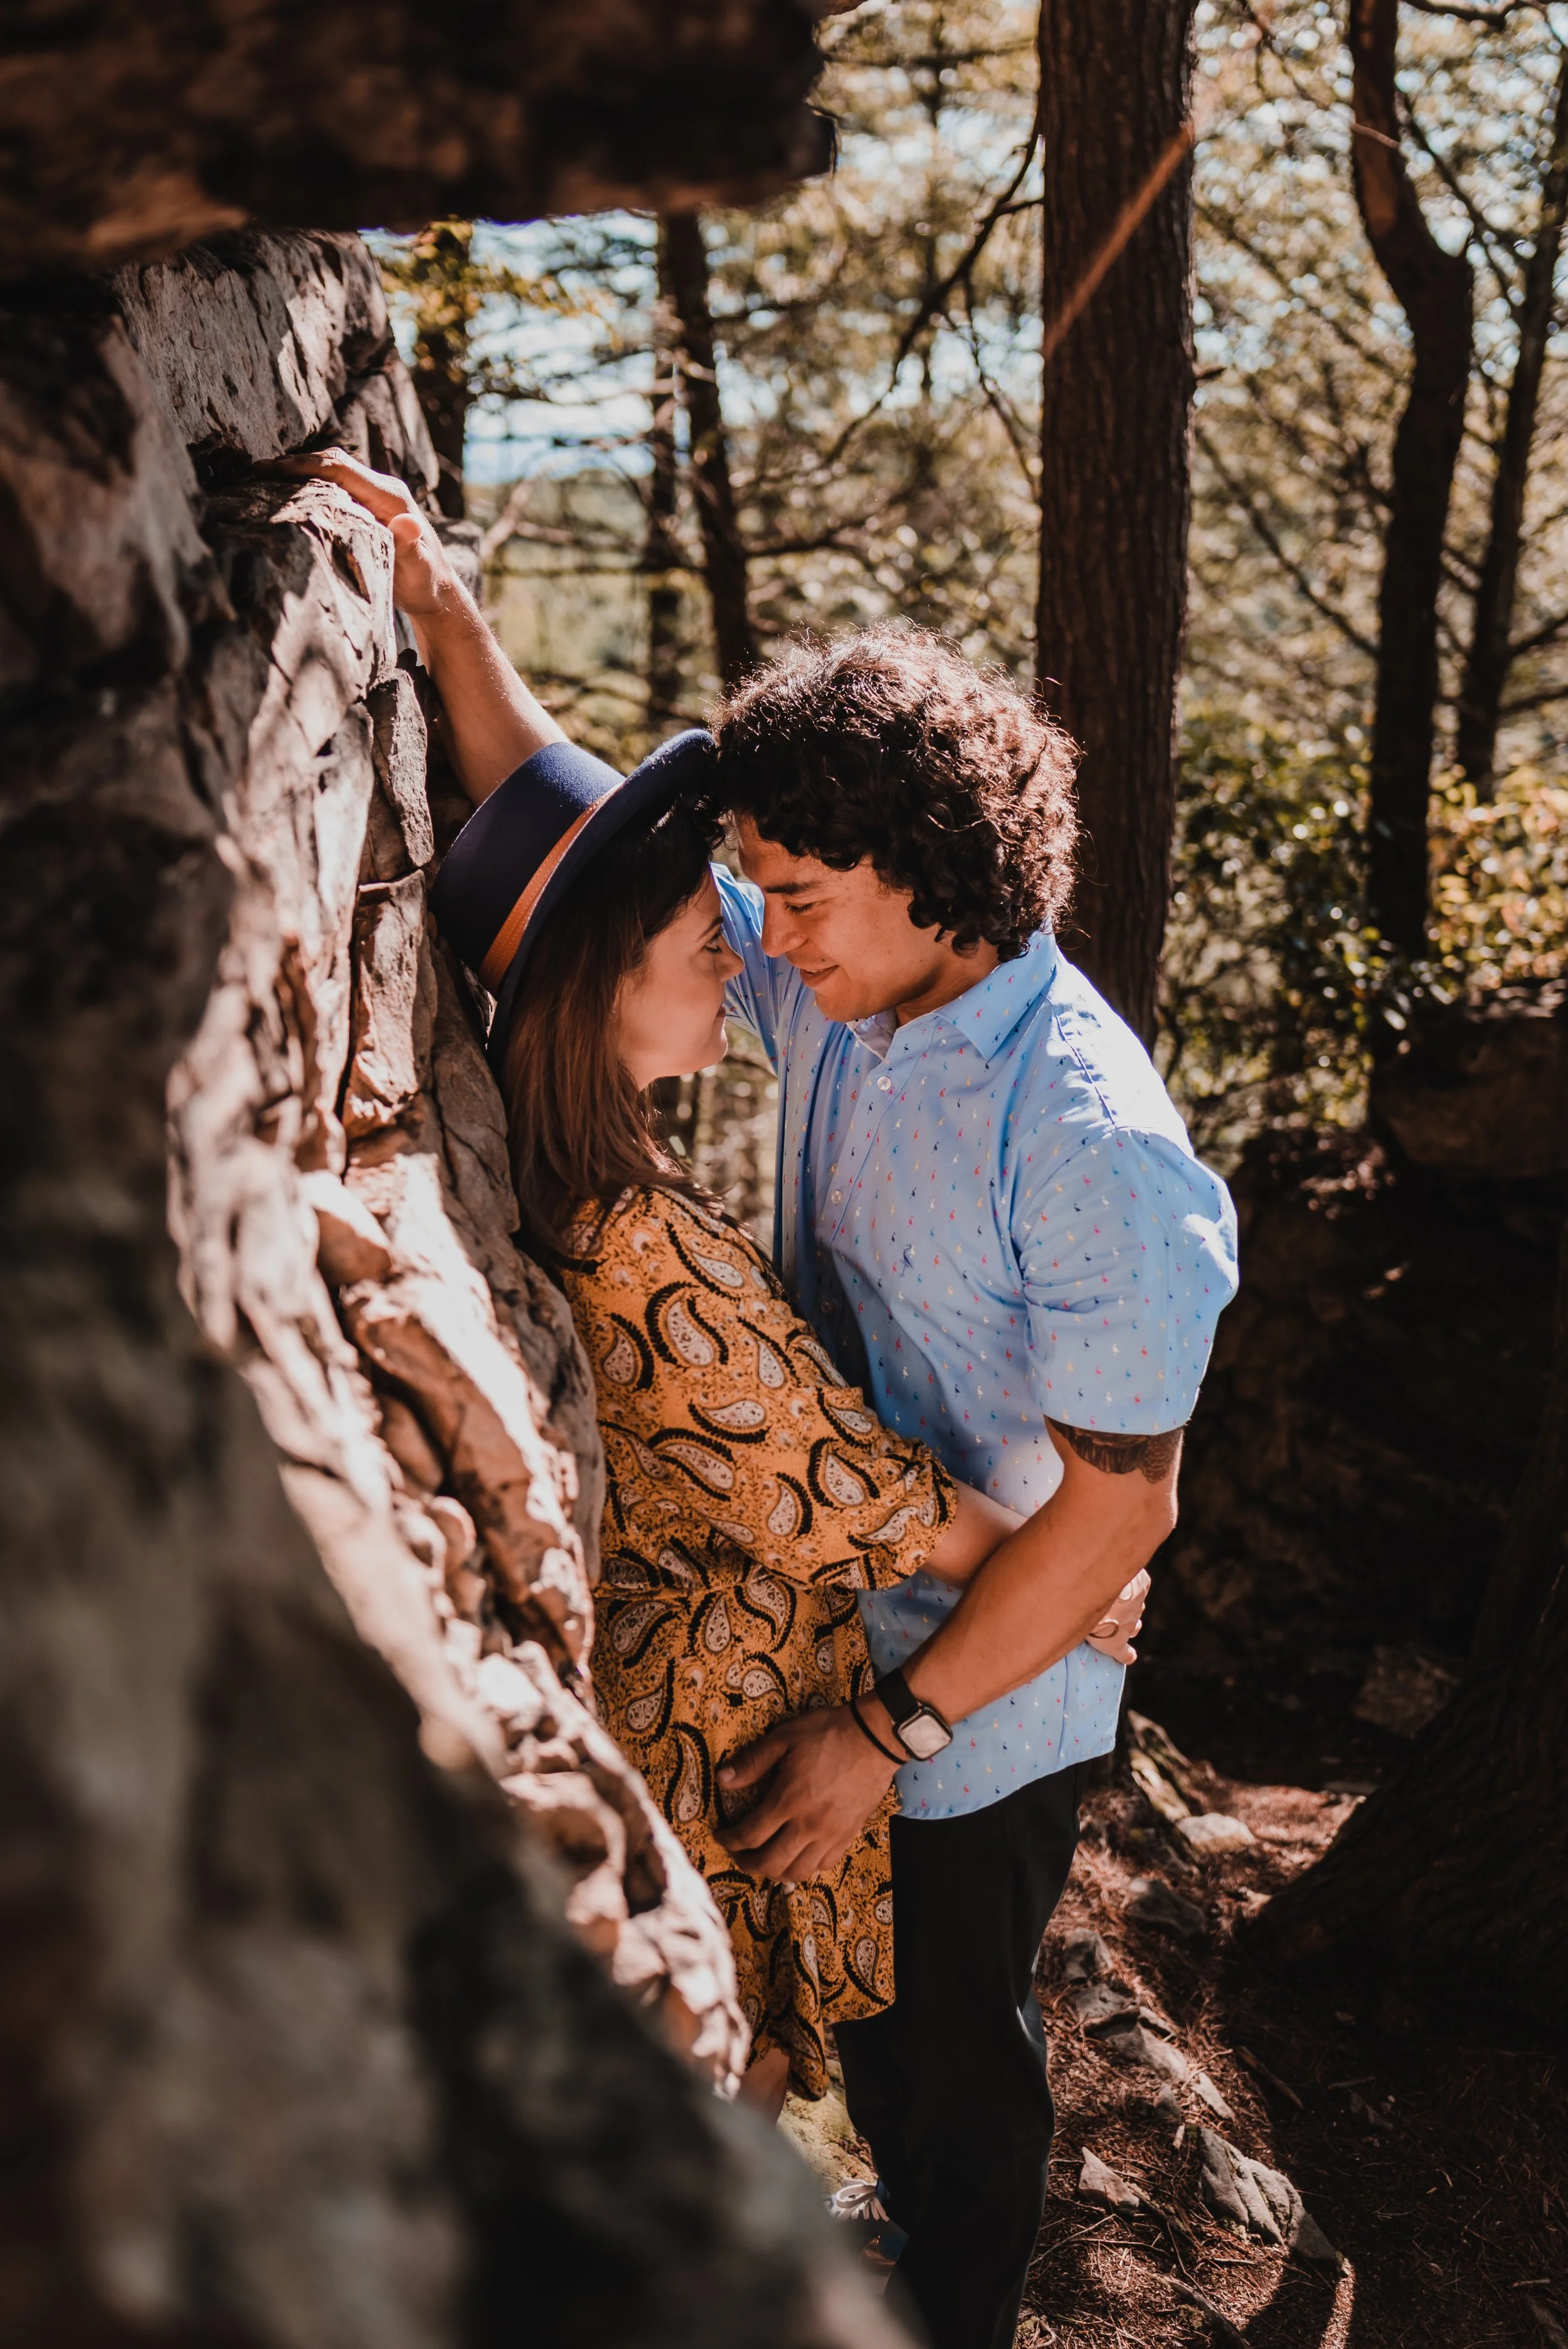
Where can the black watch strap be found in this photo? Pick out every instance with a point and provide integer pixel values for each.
(897, 1694)
(903, 1706)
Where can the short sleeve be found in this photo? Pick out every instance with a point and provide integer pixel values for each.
(717, 1401)
(1127, 1249)
(760, 991)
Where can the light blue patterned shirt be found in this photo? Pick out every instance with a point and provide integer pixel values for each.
(993, 1215)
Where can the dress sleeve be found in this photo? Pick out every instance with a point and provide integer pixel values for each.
(716, 1400)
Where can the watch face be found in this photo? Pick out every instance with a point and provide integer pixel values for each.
(924, 1736)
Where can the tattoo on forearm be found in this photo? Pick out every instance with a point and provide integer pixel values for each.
(1119, 1455)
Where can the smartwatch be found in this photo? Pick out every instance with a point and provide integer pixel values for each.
(919, 1728)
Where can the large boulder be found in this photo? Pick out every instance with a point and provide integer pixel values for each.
(127, 131)
(343, 1960)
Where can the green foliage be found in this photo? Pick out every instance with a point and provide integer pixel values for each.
(1272, 976)
(1277, 988)
(1500, 883)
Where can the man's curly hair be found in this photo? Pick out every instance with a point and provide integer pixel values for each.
(890, 745)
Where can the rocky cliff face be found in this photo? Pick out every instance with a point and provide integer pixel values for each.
(127, 131)
(299, 1788)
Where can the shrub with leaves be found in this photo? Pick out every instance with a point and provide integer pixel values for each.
(1270, 969)
(1500, 882)
(1277, 989)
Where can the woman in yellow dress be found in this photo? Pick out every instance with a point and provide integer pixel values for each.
(751, 1493)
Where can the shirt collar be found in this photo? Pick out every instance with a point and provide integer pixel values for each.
(986, 1013)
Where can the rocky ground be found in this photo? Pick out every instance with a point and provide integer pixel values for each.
(1296, 2165)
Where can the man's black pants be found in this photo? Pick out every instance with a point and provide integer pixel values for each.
(948, 2083)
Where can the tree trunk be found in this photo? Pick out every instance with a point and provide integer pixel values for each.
(659, 551)
(1456, 1875)
(1115, 86)
(683, 279)
(1434, 289)
(442, 364)
(1490, 655)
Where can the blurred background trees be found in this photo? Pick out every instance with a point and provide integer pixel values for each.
(685, 439)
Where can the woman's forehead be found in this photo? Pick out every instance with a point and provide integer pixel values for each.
(701, 910)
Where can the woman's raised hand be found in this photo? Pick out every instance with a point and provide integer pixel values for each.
(492, 723)
(423, 581)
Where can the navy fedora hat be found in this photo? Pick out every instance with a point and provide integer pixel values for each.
(524, 847)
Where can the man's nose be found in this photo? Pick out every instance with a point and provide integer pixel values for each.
(778, 932)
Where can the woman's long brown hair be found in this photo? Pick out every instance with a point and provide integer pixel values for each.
(580, 1132)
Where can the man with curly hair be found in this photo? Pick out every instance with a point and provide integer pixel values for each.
(991, 1211)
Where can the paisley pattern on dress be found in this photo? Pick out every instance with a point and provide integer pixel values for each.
(750, 1494)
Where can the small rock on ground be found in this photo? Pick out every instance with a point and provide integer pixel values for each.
(1153, 1902)
(1311, 2245)
(1099, 2183)
(1261, 2201)
(1212, 1832)
(1097, 2006)
(1139, 2050)
(1085, 1957)
(1246, 2193)
(1205, 2089)
(1167, 2114)
(1404, 1690)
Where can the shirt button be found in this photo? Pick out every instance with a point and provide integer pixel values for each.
(884, 1084)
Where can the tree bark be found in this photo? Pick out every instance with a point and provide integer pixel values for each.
(1115, 87)
(1434, 289)
(683, 279)
(659, 551)
(1456, 1875)
(1490, 654)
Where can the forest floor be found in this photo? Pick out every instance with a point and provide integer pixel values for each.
(1430, 2147)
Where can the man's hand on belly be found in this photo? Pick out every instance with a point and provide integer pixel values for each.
(828, 1780)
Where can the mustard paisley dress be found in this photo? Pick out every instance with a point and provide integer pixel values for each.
(751, 1493)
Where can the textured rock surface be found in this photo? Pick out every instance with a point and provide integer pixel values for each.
(127, 132)
(305, 342)
(337, 1050)
(295, 2038)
